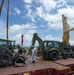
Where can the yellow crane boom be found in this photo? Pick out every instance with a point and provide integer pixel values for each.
(66, 30)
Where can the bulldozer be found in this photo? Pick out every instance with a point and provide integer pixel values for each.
(52, 50)
(6, 51)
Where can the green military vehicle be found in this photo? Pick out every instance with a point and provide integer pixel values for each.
(53, 49)
(6, 51)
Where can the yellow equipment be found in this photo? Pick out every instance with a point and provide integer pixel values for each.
(66, 30)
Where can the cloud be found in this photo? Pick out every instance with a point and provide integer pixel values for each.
(30, 13)
(17, 27)
(28, 1)
(48, 4)
(52, 17)
(50, 37)
(43, 26)
(16, 30)
(17, 10)
(39, 11)
(72, 42)
(55, 25)
(68, 12)
(61, 3)
(54, 20)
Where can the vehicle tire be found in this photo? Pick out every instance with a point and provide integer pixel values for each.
(72, 55)
(65, 55)
(5, 59)
(53, 55)
(44, 55)
(2, 52)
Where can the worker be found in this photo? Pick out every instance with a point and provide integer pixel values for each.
(33, 54)
(20, 58)
(26, 53)
(15, 51)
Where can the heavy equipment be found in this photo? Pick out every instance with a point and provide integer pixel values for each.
(6, 51)
(66, 30)
(6, 45)
(53, 49)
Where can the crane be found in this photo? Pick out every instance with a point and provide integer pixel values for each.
(7, 16)
(66, 30)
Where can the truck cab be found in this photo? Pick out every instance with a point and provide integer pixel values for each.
(51, 49)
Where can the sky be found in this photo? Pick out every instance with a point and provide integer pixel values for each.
(43, 17)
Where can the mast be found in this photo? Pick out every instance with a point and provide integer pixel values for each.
(1, 6)
(7, 20)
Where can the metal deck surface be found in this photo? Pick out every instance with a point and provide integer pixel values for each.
(65, 62)
(40, 64)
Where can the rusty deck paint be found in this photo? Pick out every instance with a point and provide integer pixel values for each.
(40, 64)
(66, 62)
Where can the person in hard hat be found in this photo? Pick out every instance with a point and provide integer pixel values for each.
(33, 54)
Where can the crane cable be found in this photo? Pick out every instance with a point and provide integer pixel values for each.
(70, 20)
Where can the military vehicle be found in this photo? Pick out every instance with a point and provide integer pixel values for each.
(6, 51)
(53, 49)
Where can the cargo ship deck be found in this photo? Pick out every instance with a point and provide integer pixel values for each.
(40, 67)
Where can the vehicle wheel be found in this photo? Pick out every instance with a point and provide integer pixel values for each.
(5, 59)
(53, 55)
(44, 55)
(65, 55)
(72, 55)
(2, 52)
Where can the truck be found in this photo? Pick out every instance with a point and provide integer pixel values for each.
(6, 51)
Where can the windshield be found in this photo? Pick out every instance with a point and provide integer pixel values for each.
(6, 42)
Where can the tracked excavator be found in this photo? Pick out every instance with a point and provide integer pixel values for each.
(52, 50)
